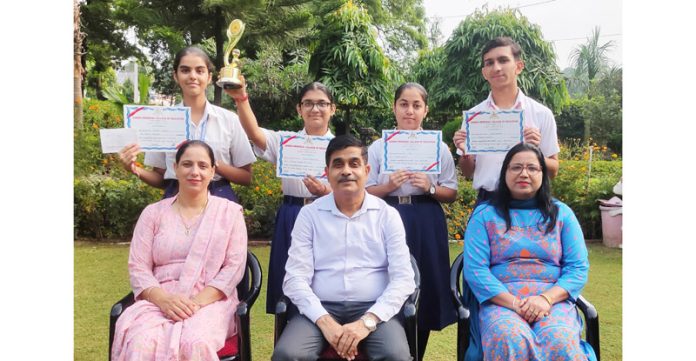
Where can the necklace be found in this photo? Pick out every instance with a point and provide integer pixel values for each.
(186, 226)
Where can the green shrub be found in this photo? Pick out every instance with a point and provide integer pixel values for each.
(88, 158)
(260, 200)
(573, 188)
(458, 212)
(105, 207)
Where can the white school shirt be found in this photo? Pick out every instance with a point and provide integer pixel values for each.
(446, 178)
(221, 130)
(536, 115)
(334, 257)
(290, 186)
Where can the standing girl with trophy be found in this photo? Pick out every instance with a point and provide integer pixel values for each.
(316, 108)
(417, 197)
(218, 127)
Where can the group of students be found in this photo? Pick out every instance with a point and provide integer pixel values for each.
(188, 250)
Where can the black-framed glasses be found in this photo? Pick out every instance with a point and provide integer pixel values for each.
(532, 169)
(309, 105)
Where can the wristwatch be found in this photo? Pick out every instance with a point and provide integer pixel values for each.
(369, 323)
(432, 189)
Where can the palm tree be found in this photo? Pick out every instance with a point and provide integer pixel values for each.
(590, 59)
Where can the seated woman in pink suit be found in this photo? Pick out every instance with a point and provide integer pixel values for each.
(187, 256)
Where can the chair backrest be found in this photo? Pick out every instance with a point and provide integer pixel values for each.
(250, 285)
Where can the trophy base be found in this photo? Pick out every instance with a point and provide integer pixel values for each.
(228, 84)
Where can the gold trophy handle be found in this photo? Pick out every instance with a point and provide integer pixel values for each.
(234, 33)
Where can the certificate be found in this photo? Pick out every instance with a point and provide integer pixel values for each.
(493, 131)
(415, 150)
(301, 155)
(159, 129)
(113, 140)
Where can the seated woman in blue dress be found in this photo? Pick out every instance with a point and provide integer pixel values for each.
(526, 262)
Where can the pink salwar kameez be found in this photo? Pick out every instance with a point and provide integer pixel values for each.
(162, 255)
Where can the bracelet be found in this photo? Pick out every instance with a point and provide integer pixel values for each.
(241, 99)
(547, 298)
(514, 301)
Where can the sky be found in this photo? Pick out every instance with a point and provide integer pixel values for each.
(565, 23)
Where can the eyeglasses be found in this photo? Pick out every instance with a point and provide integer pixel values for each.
(308, 105)
(532, 169)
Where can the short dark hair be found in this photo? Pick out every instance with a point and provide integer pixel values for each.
(189, 143)
(315, 86)
(503, 41)
(193, 50)
(342, 142)
(502, 197)
(404, 86)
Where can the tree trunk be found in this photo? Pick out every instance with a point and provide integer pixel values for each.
(219, 53)
(77, 67)
(347, 122)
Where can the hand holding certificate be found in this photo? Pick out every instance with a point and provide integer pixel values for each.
(492, 131)
(415, 150)
(159, 129)
(302, 155)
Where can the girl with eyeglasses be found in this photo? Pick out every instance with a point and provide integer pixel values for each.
(526, 262)
(217, 127)
(316, 107)
(417, 197)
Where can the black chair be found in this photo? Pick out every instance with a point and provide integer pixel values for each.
(587, 309)
(409, 312)
(236, 348)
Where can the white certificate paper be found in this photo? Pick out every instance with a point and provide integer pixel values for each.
(159, 129)
(301, 155)
(415, 150)
(493, 131)
(113, 140)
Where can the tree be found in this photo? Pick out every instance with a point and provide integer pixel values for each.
(453, 75)
(104, 44)
(590, 59)
(78, 70)
(165, 26)
(400, 24)
(348, 59)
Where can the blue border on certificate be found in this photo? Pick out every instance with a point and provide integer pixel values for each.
(469, 114)
(288, 136)
(386, 134)
(128, 109)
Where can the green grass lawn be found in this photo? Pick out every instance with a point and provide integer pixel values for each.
(101, 279)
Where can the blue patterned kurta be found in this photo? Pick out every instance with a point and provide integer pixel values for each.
(525, 262)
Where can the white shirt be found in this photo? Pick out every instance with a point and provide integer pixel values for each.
(536, 115)
(334, 257)
(221, 130)
(290, 186)
(446, 178)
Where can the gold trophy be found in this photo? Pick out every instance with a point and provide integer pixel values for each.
(229, 74)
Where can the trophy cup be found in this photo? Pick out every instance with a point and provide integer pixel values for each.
(229, 74)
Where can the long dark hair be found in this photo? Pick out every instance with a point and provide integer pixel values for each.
(501, 199)
(193, 50)
(418, 87)
(315, 86)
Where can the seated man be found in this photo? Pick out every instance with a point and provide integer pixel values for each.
(349, 270)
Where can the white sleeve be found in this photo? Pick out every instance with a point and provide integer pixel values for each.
(549, 137)
(374, 159)
(156, 159)
(401, 283)
(448, 173)
(240, 149)
(299, 269)
(272, 147)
